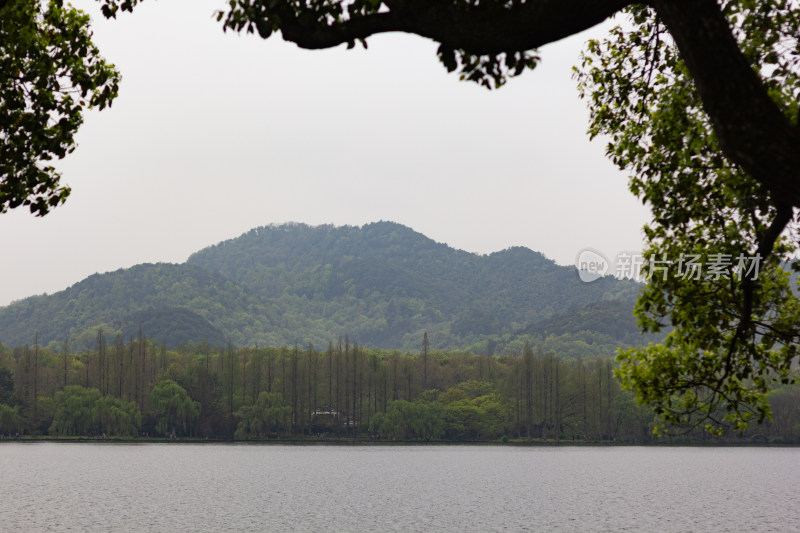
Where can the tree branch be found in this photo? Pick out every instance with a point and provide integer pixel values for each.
(335, 34)
(752, 130)
(489, 28)
(766, 244)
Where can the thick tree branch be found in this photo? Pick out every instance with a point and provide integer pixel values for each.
(752, 130)
(486, 29)
(317, 37)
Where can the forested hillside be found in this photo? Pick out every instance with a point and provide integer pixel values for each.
(383, 284)
(609, 319)
(119, 301)
(386, 284)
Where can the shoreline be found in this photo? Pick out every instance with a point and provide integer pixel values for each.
(314, 441)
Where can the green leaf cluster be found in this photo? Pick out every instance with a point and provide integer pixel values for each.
(10, 420)
(269, 414)
(85, 411)
(406, 420)
(50, 72)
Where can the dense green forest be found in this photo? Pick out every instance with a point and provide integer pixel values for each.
(140, 388)
(384, 283)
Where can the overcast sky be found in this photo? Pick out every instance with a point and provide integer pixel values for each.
(214, 134)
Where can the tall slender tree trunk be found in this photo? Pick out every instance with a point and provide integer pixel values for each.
(557, 399)
(330, 375)
(425, 361)
(257, 383)
(295, 357)
(35, 375)
(65, 356)
(394, 377)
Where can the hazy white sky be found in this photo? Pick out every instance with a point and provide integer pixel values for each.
(214, 134)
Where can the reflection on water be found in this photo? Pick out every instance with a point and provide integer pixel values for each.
(184, 487)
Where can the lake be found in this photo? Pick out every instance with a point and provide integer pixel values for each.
(239, 487)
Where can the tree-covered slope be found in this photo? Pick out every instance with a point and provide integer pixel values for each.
(109, 299)
(385, 284)
(382, 284)
(610, 318)
(172, 326)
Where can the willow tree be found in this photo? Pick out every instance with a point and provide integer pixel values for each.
(700, 98)
(267, 414)
(175, 412)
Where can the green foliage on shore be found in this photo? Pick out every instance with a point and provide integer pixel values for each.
(82, 411)
(175, 412)
(267, 415)
(343, 391)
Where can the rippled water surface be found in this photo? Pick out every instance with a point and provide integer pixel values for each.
(185, 487)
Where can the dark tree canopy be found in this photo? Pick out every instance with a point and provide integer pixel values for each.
(50, 71)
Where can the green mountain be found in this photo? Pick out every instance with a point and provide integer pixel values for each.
(382, 284)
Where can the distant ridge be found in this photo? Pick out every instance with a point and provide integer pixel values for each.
(383, 284)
